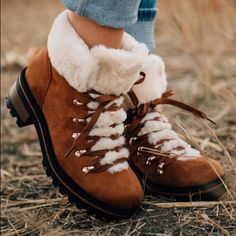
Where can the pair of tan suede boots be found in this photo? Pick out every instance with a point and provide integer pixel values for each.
(103, 136)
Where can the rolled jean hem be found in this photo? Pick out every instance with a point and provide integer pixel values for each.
(147, 14)
(107, 13)
(109, 22)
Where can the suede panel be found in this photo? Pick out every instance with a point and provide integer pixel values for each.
(38, 75)
(121, 189)
(180, 173)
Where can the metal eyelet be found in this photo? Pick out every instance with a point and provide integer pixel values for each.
(77, 103)
(75, 120)
(161, 165)
(138, 151)
(80, 152)
(81, 121)
(75, 135)
(160, 168)
(131, 140)
(78, 120)
(149, 160)
(86, 169)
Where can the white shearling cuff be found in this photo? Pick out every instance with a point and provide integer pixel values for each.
(106, 70)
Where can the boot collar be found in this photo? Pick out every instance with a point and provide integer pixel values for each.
(109, 71)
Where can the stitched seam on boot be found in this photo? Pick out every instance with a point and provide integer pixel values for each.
(49, 83)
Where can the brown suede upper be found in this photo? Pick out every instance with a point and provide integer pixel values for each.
(165, 167)
(55, 97)
(180, 173)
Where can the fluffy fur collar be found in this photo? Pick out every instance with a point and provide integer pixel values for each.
(109, 71)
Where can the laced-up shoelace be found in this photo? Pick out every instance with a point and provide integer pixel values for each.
(92, 106)
(148, 131)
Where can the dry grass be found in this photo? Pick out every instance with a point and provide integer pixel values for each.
(197, 41)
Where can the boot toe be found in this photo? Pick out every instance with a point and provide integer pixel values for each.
(121, 190)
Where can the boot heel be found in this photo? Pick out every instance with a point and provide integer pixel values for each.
(17, 108)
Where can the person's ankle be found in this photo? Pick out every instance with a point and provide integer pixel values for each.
(94, 34)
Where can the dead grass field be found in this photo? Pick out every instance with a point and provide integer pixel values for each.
(197, 40)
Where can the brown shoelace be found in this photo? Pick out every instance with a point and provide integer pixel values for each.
(84, 142)
(139, 143)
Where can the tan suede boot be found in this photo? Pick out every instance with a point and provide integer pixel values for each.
(171, 167)
(73, 96)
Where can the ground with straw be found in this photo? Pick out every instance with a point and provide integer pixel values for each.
(197, 42)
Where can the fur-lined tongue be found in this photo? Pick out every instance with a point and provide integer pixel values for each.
(117, 70)
(108, 71)
(155, 82)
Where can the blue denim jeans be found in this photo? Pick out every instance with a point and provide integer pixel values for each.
(136, 16)
(143, 29)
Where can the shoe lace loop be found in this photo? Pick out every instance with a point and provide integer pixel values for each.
(138, 141)
(84, 143)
